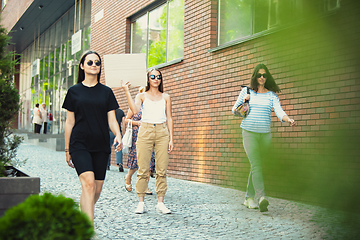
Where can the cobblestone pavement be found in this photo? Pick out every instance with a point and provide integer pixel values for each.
(199, 211)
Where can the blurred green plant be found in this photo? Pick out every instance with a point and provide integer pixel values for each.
(9, 103)
(46, 217)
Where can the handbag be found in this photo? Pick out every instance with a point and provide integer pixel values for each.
(127, 139)
(243, 109)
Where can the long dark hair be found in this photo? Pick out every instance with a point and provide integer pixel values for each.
(81, 73)
(270, 82)
(161, 87)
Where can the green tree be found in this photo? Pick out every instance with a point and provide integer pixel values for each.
(9, 103)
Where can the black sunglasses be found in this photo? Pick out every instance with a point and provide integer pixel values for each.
(258, 75)
(91, 62)
(158, 77)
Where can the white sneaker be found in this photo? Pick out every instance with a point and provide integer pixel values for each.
(140, 208)
(160, 207)
(250, 203)
(263, 204)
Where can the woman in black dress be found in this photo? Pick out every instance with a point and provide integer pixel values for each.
(90, 109)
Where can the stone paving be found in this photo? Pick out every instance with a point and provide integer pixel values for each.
(199, 211)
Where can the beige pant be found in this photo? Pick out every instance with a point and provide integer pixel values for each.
(149, 136)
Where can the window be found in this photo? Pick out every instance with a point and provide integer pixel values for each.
(3, 4)
(239, 19)
(159, 33)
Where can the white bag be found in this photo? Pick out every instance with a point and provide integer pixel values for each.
(127, 139)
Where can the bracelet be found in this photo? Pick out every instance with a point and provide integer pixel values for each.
(66, 150)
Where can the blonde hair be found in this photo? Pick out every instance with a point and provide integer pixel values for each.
(141, 89)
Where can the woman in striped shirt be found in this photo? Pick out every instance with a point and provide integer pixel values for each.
(256, 130)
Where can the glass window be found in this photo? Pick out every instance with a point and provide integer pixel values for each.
(58, 34)
(87, 38)
(157, 36)
(42, 46)
(41, 69)
(242, 18)
(176, 30)
(159, 33)
(234, 20)
(3, 4)
(51, 63)
(63, 53)
(46, 67)
(65, 28)
(139, 35)
(57, 60)
(87, 14)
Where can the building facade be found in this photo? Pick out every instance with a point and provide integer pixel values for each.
(207, 49)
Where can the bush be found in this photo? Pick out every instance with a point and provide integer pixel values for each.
(46, 217)
(9, 103)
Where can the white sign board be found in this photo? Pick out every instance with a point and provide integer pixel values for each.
(127, 67)
(36, 67)
(76, 42)
(99, 15)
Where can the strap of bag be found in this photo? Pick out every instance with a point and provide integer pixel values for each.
(248, 92)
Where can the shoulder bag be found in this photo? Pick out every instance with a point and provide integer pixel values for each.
(127, 139)
(243, 109)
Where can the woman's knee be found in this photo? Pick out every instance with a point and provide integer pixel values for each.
(87, 180)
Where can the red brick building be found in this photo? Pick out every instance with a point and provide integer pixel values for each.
(310, 47)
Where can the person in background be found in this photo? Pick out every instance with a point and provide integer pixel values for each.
(132, 156)
(120, 116)
(37, 120)
(51, 119)
(155, 132)
(44, 116)
(90, 113)
(256, 130)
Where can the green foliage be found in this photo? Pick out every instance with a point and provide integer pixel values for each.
(157, 49)
(46, 217)
(9, 103)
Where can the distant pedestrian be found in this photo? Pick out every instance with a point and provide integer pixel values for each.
(132, 156)
(37, 120)
(90, 112)
(156, 131)
(120, 118)
(44, 116)
(256, 130)
(51, 119)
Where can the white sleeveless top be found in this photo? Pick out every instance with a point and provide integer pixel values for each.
(154, 111)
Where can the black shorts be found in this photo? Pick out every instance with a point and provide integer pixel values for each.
(96, 162)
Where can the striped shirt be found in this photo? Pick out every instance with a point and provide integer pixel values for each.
(261, 105)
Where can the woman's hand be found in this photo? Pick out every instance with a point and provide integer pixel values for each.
(125, 86)
(68, 159)
(118, 143)
(171, 146)
(292, 122)
(246, 98)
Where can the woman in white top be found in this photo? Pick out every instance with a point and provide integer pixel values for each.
(44, 116)
(156, 131)
(37, 120)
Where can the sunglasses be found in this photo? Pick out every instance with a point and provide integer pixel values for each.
(158, 77)
(91, 62)
(258, 75)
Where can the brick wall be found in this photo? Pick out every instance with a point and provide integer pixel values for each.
(316, 66)
(12, 12)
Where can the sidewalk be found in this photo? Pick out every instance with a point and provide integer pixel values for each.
(199, 211)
